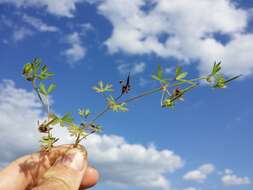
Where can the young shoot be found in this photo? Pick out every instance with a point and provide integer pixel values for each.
(172, 89)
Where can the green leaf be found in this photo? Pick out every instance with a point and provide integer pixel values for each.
(51, 88)
(216, 68)
(84, 112)
(113, 105)
(44, 69)
(42, 89)
(159, 72)
(178, 70)
(155, 77)
(164, 81)
(181, 75)
(66, 120)
(36, 65)
(49, 74)
(102, 88)
(75, 131)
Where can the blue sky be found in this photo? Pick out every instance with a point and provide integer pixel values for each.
(86, 41)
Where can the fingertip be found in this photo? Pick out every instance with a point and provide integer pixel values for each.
(90, 178)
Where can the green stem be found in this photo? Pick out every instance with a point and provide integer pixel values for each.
(142, 95)
(125, 101)
(100, 114)
(199, 78)
(38, 93)
(77, 141)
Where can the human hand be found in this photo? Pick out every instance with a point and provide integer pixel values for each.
(63, 168)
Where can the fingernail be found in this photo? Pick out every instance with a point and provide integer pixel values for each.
(73, 159)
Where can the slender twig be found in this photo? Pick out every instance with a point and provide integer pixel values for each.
(77, 140)
(107, 108)
(142, 95)
(92, 132)
(38, 93)
(100, 114)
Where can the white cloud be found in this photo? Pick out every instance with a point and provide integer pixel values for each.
(76, 52)
(183, 29)
(20, 33)
(56, 7)
(190, 188)
(87, 27)
(39, 24)
(19, 112)
(133, 164)
(230, 179)
(134, 69)
(200, 174)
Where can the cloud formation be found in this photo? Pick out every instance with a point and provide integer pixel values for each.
(21, 33)
(185, 30)
(119, 162)
(190, 188)
(230, 179)
(76, 52)
(199, 175)
(134, 69)
(39, 24)
(60, 8)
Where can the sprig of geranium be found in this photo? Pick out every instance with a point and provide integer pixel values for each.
(172, 88)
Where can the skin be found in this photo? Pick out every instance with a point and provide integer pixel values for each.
(48, 170)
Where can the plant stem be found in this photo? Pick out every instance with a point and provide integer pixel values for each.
(41, 100)
(125, 101)
(199, 78)
(77, 141)
(100, 114)
(142, 95)
(86, 136)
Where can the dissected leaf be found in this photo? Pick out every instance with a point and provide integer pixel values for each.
(102, 87)
(116, 106)
(76, 131)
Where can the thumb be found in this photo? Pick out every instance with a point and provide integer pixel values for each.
(66, 173)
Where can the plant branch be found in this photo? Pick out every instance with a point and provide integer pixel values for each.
(142, 95)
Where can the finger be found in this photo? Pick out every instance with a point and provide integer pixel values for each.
(24, 172)
(90, 178)
(66, 173)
